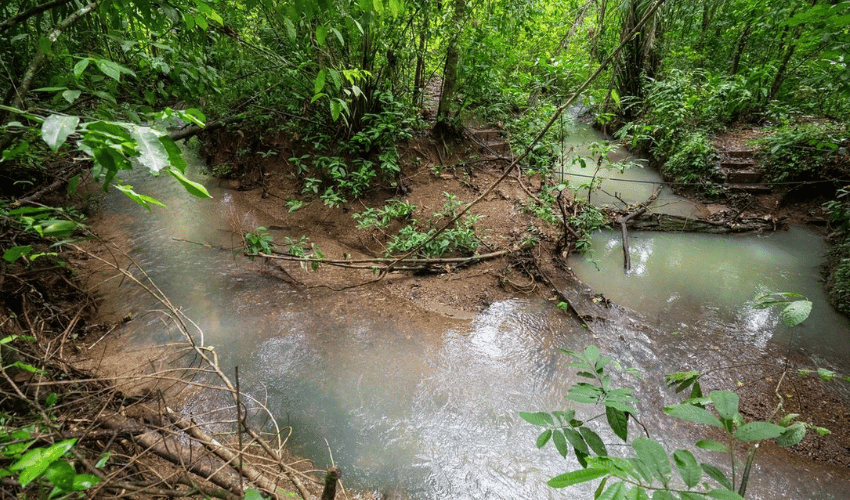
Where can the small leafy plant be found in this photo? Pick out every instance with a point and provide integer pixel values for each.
(259, 241)
(647, 469)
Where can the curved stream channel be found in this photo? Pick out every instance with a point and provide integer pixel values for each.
(427, 408)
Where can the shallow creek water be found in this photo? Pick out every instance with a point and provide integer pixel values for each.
(428, 408)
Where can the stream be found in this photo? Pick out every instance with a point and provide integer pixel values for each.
(426, 408)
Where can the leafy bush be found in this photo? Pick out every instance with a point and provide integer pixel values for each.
(694, 161)
(804, 151)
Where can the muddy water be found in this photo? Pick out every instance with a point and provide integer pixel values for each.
(408, 404)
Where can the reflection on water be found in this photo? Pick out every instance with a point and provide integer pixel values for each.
(431, 408)
(708, 282)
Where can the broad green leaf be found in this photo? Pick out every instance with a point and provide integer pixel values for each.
(576, 477)
(792, 435)
(543, 438)
(16, 252)
(378, 5)
(594, 441)
(252, 494)
(81, 66)
(688, 467)
(641, 469)
(826, 375)
(60, 229)
(724, 494)
(716, 474)
(84, 482)
(50, 400)
(560, 443)
(36, 461)
(618, 467)
(192, 187)
(152, 153)
(109, 69)
(175, 156)
(57, 128)
(540, 418)
(321, 34)
(71, 95)
(726, 404)
(756, 431)
(693, 413)
(711, 445)
(619, 422)
(637, 493)
(61, 474)
(654, 456)
(336, 108)
(796, 313)
(591, 353)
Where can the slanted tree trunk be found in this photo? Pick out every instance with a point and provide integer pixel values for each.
(742, 43)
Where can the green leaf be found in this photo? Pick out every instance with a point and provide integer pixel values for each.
(50, 400)
(576, 477)
(716, 474)
(591, 353)
(252, 494)
(560, 443)
(71, 95)
(57, 128)
(654, 456)
(792, 435)
(711, 445)
(319, 84)
(103, 459)
(756, 431)
(142, 199)
(336, 108)
(84, 482)
(726, 404)
(543, 438)
(540, 418)
(619, 422)
(80, 67)
(27, 367)
(16, 252)
(175, 156)
(826, 375)
(109, 69)
(688, 467)
(615, 491)
(36, 461)
(60, 229)
(321, 34)
(577, 441)
(796, 313)
(192, 187)
(662, 495)
(61, 474)
(693, 413)
(594, 441)
(152, 153)
(724, 494)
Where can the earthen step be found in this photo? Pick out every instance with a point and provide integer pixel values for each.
(749, 188)
(487, 135)
(499, 147)
(743, 176)
(737, 164)
(739, 154)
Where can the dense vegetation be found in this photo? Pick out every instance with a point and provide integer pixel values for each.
(89, 88)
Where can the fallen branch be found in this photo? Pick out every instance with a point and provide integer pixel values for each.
(417, 264)
(641, 209)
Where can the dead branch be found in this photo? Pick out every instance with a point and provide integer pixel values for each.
(627, 261)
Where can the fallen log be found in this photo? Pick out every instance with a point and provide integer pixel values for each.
(666, 222)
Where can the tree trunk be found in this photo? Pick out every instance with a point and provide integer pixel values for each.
(419, 76)
(742, 42)
(450, 71)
